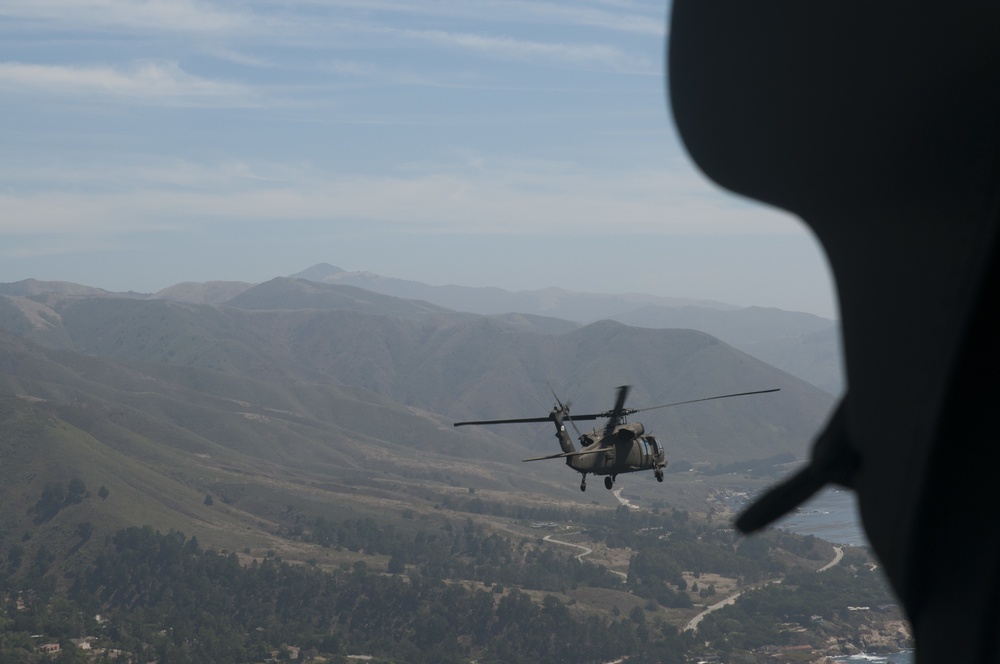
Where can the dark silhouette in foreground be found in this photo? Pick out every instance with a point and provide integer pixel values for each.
(878, 123)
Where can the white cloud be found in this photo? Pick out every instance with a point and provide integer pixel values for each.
(647, 18)
(519, 49)
(154, 82)
(263, 18)
(159, 15)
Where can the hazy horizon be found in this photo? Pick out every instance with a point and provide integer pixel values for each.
(517, 145)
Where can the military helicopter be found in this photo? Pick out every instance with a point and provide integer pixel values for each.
(618, 447)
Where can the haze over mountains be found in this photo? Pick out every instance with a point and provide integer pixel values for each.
(296, 391)
(802, 344)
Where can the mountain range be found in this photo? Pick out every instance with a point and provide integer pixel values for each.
(802, 344)
(300, 392)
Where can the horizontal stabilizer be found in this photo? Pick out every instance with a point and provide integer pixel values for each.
(566, 454)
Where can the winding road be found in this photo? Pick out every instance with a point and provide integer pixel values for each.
(693, 624)
(838, 555)
(624, 501)
(586, 552)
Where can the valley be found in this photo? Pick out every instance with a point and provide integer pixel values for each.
(306, 429)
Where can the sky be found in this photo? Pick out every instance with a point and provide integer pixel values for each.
(511, 143)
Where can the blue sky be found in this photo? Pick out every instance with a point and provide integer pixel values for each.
(507, 143)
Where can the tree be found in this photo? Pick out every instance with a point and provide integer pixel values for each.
(77, 491)
(84, 529)
(396, 565)
(53, 497)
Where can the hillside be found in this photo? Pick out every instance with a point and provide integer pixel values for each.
(157, 439)
(458, 365)
(802, 344)
(340, 401)
(312, 423)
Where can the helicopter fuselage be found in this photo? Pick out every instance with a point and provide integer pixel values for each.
(625, 450)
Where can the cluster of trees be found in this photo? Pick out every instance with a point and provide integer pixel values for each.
(463, 551)
(814, 604)
(655, 571)
(441, 590)
(55, 498)
(163, 597)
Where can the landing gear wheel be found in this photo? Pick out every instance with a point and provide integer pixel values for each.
(608, 483)
(659, 474)
(583, 483)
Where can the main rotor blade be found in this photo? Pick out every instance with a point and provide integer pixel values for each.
(566, 454)
(575, 428)
(721, 396)
(589, 416)
(622, 395)
(547, 418)
(616, 412)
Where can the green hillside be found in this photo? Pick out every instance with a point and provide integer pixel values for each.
(160, 438)
(221, 482)
(343, 405)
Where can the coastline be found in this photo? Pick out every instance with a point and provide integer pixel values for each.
(832, 515)
(902, 657)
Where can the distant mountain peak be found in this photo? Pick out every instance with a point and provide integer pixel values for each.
(30, 287)
(318, 272)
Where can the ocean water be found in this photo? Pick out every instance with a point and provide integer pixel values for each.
(832, 514)
(905, 657)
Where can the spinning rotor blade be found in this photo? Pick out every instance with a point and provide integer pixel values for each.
(548, 418)
(512, 421)
(681, 403)
(562, 407)
(558, 400)
(565, 409)
(613, 415)
(620, 401)
(575, 428)
(618, 410)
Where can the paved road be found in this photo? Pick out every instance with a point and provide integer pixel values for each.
(624, 501)
(586, 551)
(693, 625)
(839, 555)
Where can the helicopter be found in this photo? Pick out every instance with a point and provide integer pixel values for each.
(619, 447)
